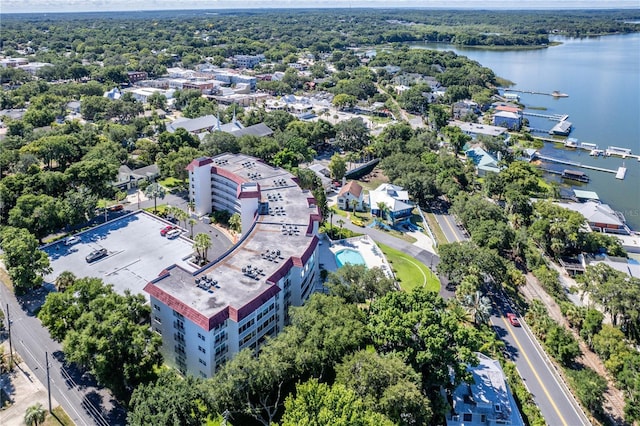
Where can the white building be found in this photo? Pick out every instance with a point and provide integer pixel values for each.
(239, 299)
(486, 401)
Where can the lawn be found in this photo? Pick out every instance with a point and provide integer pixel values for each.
(410, 272)
(59, 417)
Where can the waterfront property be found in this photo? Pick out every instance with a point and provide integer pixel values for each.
(600, 217)
(206, 316)
(485, 163)
(486, 400)
(474, 129)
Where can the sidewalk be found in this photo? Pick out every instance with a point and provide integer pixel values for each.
(24, 389)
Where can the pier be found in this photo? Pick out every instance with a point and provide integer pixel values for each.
(555, 93)
(553, 117)
(620, 172)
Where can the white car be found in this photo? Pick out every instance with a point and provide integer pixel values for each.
(174, 233)
(69, 241)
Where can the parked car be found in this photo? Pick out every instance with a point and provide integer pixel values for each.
(69, 241)
(166, 229)
(174, 233)
(96, 255)
(116, 208)
(513, 319)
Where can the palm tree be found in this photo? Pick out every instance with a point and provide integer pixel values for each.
(340, 222)
(65, 280)
(155, 191)
(235, 222)
(181, 215)
(192, 222)
(34, 415)
(478, 307)
(192, 206)
(354, 204)
(201, 244)
(383, 209)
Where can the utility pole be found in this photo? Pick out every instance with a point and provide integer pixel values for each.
(46, 361)
(9, 327)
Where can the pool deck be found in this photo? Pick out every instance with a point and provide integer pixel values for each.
(367, 248)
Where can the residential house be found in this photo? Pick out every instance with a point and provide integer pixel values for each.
(485, 163)
(507, 119)
(349, 193)
(462, 108)
(474, 129)
(204, 124)
(135, 76)
(396, 200)
(600, 217)
(323, 174)
(128, 178)
(486, 400)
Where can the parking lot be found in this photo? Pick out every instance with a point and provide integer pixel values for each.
(136, 252)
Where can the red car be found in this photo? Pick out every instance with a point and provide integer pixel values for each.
(166, 229)
(513, 319)
(116, 208)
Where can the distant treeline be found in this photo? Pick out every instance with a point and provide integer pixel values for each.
(277, 33)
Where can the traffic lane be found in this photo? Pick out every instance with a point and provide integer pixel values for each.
(549, 394)
(449, 227)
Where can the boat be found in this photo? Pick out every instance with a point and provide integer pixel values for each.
(575, 175)
(571, 143)
(596, 152)
(557, 94)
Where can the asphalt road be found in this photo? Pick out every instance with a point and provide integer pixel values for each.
(85, 402)
(557, 404)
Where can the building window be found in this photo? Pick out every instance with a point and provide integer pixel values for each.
(157, 319)
(201, 336)
(483, 418)
(156, 307)
(201, 349)
(203, 362)
(467, 417)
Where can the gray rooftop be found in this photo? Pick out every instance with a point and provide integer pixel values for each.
(285, 226)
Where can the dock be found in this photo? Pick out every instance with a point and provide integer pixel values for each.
(583, 166)
(552, 117)
(555, 93)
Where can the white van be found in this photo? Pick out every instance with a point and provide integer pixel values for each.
(174, 233)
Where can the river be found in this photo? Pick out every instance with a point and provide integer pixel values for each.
(601, 75)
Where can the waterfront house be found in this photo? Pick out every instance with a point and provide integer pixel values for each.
(348, 193)
(474, 129)
(507, 119)
(485, 400)
(600, 217)
(395, 198)
(485, 163)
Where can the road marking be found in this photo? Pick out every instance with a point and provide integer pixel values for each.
(446, 219)
(535, 373)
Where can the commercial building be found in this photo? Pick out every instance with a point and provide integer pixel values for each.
(236, 301)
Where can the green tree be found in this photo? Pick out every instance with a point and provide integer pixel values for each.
(235, 222)
(342, 101)
(421, 331)
(337, 166)
(25, 263)
(155, 191)
(590, 388)
(65, 280)
(170, 400)
(201, 244)
(35, 415)
(357, 283)
(352, 135)
(320, 404)
(386, 385)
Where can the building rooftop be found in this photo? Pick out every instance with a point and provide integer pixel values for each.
(282, 237)
(478, 129)
(352, 187)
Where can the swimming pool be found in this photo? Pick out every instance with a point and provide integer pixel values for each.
(349, 256)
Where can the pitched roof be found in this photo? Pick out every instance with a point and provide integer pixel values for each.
(193, 124)
(258, 130)
(353, 188)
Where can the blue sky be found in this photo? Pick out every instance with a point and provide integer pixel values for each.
(27, 6)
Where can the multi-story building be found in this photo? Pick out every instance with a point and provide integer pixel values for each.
(236, 301)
